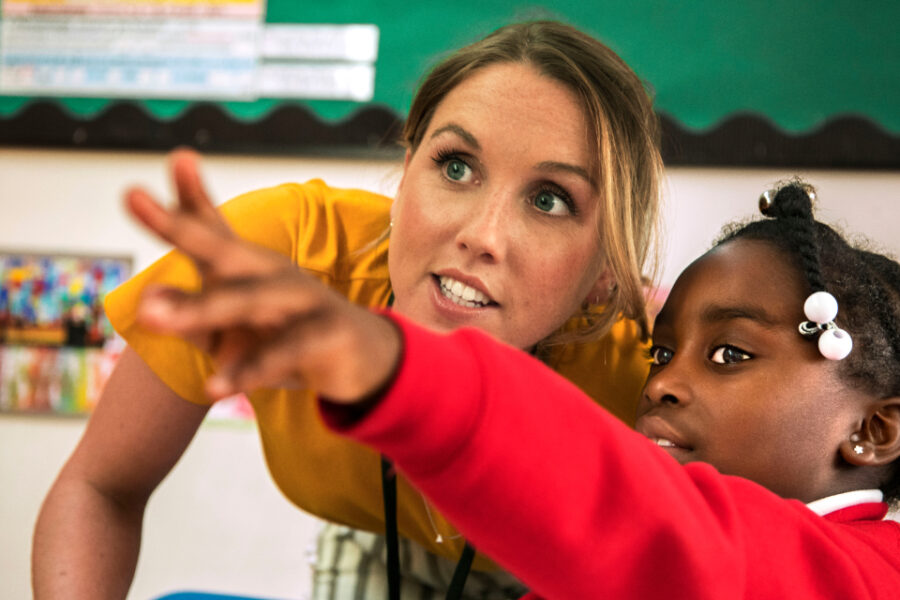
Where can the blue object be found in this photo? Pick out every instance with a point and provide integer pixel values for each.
(206, 596)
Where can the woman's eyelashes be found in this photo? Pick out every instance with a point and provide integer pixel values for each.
(453, 166)
(548, 197)
(553, 200)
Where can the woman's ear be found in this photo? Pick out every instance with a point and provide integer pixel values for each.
(602, 289)
(396, 203)
(878, 440)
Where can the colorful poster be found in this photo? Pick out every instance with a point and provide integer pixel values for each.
(186, 49)
(130, 48)
(57, 347)
(59, 380)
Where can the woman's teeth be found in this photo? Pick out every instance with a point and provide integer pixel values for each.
(664, 443)
(462, 294)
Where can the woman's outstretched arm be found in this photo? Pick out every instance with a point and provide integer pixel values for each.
(88, 531)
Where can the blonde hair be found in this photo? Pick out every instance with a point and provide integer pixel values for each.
(628, 165)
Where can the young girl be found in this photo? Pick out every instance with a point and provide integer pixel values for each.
(767, 436)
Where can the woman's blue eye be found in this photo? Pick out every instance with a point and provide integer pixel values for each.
(661, 355)
(551, 203)
(457, 170)
(725, 355)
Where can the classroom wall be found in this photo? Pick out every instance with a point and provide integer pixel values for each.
(218, 523)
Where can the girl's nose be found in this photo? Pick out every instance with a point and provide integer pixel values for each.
(669, 385)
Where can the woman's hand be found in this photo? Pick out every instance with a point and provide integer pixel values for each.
(264, 322)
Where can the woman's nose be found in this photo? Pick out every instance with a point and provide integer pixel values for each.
(487, 227)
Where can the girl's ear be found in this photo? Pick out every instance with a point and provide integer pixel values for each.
(396, 203)
(878, 440)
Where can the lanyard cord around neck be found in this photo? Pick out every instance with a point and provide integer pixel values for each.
(389, 494)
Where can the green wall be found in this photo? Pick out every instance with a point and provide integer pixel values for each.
(796, 63)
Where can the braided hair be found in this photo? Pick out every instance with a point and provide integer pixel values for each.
(866, 285)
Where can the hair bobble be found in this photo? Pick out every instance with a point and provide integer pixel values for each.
(821, 308)
(766, 200)
(793, 203)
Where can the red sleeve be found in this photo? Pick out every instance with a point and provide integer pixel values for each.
(579, 506)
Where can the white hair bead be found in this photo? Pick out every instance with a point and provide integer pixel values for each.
(835, 344)
(820, 307)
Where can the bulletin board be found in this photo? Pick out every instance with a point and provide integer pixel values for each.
(766, 83)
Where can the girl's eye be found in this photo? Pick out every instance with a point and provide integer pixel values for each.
(456, 170)
(725, 355)
(553, 203)
(661, 355)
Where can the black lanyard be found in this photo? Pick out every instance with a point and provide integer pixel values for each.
(389, 492)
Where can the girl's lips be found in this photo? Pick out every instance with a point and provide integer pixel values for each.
(659, 431)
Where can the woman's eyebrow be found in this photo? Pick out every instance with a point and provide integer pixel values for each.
(554, 166)
(460, 131)
(547, 165)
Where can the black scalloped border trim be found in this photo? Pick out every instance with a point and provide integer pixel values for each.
(742, 140)
(748, 140)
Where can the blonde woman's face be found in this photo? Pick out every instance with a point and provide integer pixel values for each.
(496, 217)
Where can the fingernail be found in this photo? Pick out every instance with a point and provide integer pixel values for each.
(156, 309)
(218, 386)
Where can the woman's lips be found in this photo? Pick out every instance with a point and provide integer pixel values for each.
(461, 293)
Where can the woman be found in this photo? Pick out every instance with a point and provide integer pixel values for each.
(526, 209)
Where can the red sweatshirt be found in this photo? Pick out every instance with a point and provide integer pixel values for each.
(578, 505)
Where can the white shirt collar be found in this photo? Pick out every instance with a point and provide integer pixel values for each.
(834, 503)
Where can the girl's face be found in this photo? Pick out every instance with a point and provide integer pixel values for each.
(735, 385)
(495, 223)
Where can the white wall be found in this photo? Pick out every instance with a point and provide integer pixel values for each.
(218, 523)
(701, 201)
